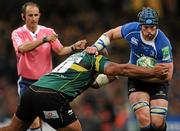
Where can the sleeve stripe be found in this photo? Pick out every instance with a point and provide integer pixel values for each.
(78, 68)
(98, 58)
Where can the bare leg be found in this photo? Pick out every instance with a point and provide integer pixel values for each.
(158, 118)
(16, 125)
(36, 123)
(143, 111)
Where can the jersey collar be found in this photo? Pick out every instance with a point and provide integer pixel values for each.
(34, 35)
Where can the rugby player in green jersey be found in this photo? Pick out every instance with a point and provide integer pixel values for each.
(49, 97)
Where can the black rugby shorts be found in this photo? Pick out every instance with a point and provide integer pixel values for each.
(49, 105)
(155, 90)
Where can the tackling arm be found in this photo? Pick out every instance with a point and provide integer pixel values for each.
(131, 70)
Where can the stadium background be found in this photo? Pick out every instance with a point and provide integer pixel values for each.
(98, 110)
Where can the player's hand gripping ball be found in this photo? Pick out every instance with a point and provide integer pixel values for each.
(146, 61)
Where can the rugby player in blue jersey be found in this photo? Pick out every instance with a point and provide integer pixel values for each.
(148, 97)
(49, 97)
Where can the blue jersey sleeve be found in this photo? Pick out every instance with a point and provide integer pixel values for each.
(129, 27)
(165, 48)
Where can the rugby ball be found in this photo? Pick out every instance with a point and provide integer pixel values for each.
(146, 61)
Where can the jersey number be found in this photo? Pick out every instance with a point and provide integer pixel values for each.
(64, 66)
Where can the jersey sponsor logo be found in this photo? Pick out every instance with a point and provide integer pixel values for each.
(132, 89)
(64, 66)
(161, 93)
(51, 114)
(166, 53)
(152, 53)
(134, 41)
(70, 112)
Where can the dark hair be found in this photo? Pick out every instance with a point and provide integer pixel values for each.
(23, 8)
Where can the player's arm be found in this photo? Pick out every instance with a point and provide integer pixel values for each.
(29, 46)
(104, 40)
(167, 77)
(158, 72)
(114, 33)
(131, 70)
(69, 49)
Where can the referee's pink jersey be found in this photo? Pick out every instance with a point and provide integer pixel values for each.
(35, 63)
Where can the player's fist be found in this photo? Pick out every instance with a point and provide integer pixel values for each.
(79, 45)
(161, 70)
(92, 50)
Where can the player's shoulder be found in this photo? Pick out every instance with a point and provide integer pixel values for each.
(162, 37)
(161, 34)
(128, 28)
(132, 26)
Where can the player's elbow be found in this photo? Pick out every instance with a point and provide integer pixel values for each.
(110, 34)
(170, 72)
(111, 69)
(116, 69)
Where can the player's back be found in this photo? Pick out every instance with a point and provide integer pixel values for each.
(74, 75)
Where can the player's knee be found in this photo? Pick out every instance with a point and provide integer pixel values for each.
(158, 127)
(157, 123)
(158, 116)
(141, 110)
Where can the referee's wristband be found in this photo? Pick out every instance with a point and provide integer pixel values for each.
(45, 39)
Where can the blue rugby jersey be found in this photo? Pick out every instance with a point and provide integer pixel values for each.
(159, 48)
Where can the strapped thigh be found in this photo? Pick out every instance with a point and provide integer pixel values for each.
(139, 105)
(159, 110)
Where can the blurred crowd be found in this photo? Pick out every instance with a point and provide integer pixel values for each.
(105, 109)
